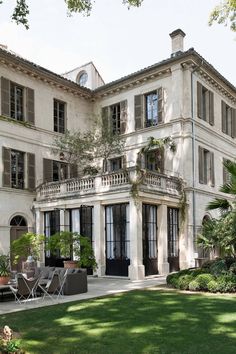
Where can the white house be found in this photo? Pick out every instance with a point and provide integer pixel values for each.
(183, 97)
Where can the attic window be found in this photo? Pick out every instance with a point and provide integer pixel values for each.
(82, 78)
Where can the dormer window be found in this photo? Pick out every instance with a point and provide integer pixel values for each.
(82, 78)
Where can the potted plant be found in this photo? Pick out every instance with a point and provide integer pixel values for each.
(27, 246)
(74, 246)
(4, 269)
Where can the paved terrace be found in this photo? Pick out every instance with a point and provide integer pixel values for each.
(97, 287)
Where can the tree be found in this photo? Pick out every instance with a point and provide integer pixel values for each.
(225, 13)
(21, 10)
(88, 148)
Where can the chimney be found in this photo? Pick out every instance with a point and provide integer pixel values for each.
(177, 40)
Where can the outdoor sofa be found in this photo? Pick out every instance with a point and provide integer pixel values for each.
(76, 279)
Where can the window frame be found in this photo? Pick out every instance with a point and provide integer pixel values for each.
(13, 101)
(57, 127)
(153, 120)
(19, 182)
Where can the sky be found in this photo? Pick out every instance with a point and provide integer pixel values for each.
(118, 41)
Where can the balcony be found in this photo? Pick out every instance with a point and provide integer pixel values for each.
(110, 182)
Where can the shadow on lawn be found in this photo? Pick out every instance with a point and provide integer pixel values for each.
(144, 321)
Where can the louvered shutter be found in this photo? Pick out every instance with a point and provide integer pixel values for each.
(5, 96)
(30, 105)
(6, 157)
(212, 169)
(104, 165)
(73, 170)
(211, 108)
(224, 172)
(233, 113)
(124, 162)
(223, 116)
(199, 100)
(47, 170)
(31, 171)
(105, 118)
(160, 104)
(123, 116)
(201, 164)
(138, 111)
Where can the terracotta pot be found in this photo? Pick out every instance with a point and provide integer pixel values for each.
(4, 280)
(70, 264)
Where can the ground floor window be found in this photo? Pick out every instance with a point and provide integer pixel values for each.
(150, 238)
(173, 238)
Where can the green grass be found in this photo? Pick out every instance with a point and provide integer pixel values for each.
(143, 321)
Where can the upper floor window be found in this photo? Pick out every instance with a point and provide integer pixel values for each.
(82, 79)
(114, 164)
(58, 171)
(228, 117)
(205, 104)
(148, 109)
(16, 163)
(17, 102)
(154, 160)
(59, 116)
(206, 166)
(116, 117)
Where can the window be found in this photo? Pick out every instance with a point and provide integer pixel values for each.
(154, 160)
(83, 78)
(205, 104)
(228, 117)
(226, 174)
(115, 116)
(15, 164)
(115, 164)
(148, 109)
(58, 171)
(17, 101)
(59, 116)
(206, 167)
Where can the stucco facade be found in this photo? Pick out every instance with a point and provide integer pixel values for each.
(154, 235)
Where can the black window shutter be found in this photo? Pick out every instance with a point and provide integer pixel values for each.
(6, 157)
(30, 105)
(31, 171)
(212, 169)
(223, 116)
(47, 170)
(160, 104)
(233, 113)
(138, 111)
(5, 96)
(123, 116)
(201, 164)
(211, 108)
(73, 170)
(199, 100)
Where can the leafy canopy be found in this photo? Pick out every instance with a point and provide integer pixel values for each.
(224, 13)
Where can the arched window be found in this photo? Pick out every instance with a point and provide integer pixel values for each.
(205, 219)
(18, 220)
(82, 78)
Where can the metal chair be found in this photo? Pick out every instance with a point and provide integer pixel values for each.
(53, 287)
(25, 288)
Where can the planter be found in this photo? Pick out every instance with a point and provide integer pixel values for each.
(70, 264)
(4, 280)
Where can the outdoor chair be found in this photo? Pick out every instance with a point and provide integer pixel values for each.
(25, 288)
(53, 287)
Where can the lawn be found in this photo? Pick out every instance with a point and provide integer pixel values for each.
(143, 321)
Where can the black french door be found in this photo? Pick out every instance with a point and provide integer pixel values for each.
(117, 239)
(150, 239)
(86, 226)
(52, 226)
(173, 238)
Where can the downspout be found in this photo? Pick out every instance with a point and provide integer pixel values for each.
(193, 148)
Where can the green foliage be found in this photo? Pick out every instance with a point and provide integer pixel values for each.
(224, 13)
(4, 265)
(218, 267)
(161, 143)
(9, 346)
(203, 280)
(28, 244)
(194, 285)
(72, 244)
(183, 281)
(226, 283)
(213, 286)
(232, 268)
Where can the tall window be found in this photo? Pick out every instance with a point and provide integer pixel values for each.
(151, 108)
(155, 160)
(59, 116)
(17, 169)
(205, 104)
(115, 164)
(60, 171)
(228, 118)
(148, 109)
(17, 102)
(115, 117)
(206, 167)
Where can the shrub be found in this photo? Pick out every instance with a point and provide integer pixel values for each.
(183, 281)
(213, 286)
(227, 283)
(232, 268)
(218, 267)
(172, 279)
(207, 264)
(203, 280)
(194, 285)
(229, 261)
(197, 271)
